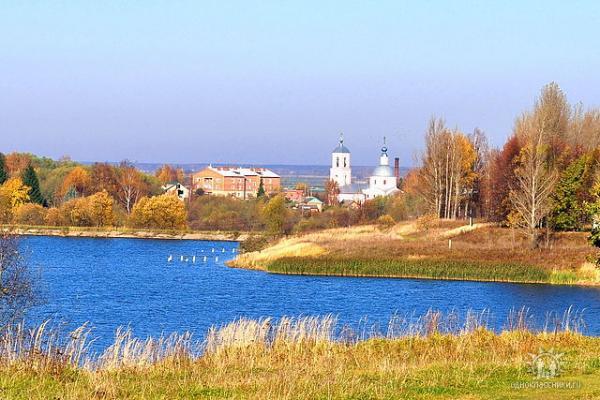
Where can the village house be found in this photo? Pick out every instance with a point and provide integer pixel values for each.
(311, 204)
(176, 189)
(294, 195)
(237, 182)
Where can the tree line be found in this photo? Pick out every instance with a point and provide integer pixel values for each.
(546, 175)
(545, 178)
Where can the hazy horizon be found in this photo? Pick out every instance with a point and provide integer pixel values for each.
(274, 83)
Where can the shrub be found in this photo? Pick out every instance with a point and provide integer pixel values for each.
(224, 213)
(30, 214)
(386, 221)
(427, 222)
(54, 218)
(254, 243)
(159, 212)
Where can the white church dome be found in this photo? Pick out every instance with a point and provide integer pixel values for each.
(384, 171)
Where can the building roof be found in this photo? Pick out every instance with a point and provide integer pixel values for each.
(237, 172)
(313, 200)
(341, 148)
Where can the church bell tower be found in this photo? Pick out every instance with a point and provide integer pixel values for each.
(340, 170)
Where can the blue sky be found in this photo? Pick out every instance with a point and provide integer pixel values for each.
(275, 82)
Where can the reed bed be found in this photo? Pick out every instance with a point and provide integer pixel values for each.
(436, 355)
(411, 268)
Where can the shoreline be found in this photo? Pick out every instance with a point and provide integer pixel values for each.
(237, 265)
(116, 233)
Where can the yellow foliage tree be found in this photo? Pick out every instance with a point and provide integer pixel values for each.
(78, 179)
(159, 212)
(101, 209)
(54, 217)
(15, 191)
(94, 210)
(30, 214)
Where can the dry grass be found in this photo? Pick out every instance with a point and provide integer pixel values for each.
(564, 255)
(435, 356)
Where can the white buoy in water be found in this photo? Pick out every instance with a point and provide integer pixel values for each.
(194, 259)
(213, 250)
(217, 259)
(233, 250)
(181, 258)
(170, 258)
(223, 250)
(204, 259)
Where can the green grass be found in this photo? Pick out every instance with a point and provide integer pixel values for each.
(298, 359)
(410, 268)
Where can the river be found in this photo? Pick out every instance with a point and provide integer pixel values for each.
(114, 282)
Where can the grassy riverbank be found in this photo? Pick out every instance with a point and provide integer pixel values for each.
(406, 268)
(299, 359)
(123, 232)
(446, 251)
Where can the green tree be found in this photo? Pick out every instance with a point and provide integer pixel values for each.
(261, 189)
(3, 172)
(274, 215)
(30, 179)
(571, 194)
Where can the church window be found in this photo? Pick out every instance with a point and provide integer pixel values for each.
(345, 162)
(337, 161)
(384, 182)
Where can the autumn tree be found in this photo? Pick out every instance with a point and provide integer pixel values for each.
(332, 190)
(101, 209)
(448, 170)
(15, 191)
(30, 179)
(104, 177)
(30, 214)
(572, 193)
(585, 128)
(131, 186)
(480, 145)
(17, 162)
(530, 194)
(553, 113)
(274, 215)
(166, 174)
(77, 183)
(224, 213)
(498, 179)
(12, 195)
(3, 170)
(159, 212)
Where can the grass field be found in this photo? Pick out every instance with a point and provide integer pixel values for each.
(308, 358)
(444, 251)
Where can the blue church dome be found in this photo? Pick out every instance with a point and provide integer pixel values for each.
(341, 148)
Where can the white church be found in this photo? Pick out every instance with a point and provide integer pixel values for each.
(383, 181)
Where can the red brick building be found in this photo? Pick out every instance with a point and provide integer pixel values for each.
(235, 181)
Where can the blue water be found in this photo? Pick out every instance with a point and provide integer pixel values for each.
(113, 282)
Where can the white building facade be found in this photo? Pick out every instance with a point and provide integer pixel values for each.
(340, 171)
(383, 182)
